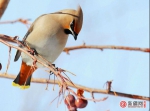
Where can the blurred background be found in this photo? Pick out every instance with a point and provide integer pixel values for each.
(106, 22)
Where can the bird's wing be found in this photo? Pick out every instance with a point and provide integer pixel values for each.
(18, 53)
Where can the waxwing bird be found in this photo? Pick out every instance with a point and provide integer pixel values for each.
(47, 36)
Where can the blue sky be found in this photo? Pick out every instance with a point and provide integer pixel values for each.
(109, 22)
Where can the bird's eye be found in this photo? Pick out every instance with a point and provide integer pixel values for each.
(72, 24)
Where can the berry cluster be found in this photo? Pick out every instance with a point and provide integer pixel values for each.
(73, 103)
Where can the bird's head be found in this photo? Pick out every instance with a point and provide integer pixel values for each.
(71, 21)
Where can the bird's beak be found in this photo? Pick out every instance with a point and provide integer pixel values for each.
(74, 34)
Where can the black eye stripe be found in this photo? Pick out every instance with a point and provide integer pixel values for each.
(72, 24)
(67, 31)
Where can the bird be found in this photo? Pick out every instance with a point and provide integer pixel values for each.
(47, 36)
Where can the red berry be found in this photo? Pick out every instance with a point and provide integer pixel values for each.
(70, 99)
(70, 102)
(81, 103)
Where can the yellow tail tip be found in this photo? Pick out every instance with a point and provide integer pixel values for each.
(21, 87)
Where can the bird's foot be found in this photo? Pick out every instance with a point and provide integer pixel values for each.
(55, 68)
(33, 51)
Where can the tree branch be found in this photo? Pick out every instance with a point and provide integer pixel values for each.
(67, 49)
(87, 89)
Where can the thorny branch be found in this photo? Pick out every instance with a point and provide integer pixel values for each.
(62, 81)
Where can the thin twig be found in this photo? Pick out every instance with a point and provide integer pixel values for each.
(24, 21)
(9, 58)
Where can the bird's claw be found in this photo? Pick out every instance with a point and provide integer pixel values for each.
(33, 51)
(55, 68)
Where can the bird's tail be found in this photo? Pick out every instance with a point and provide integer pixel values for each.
(23, 79)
